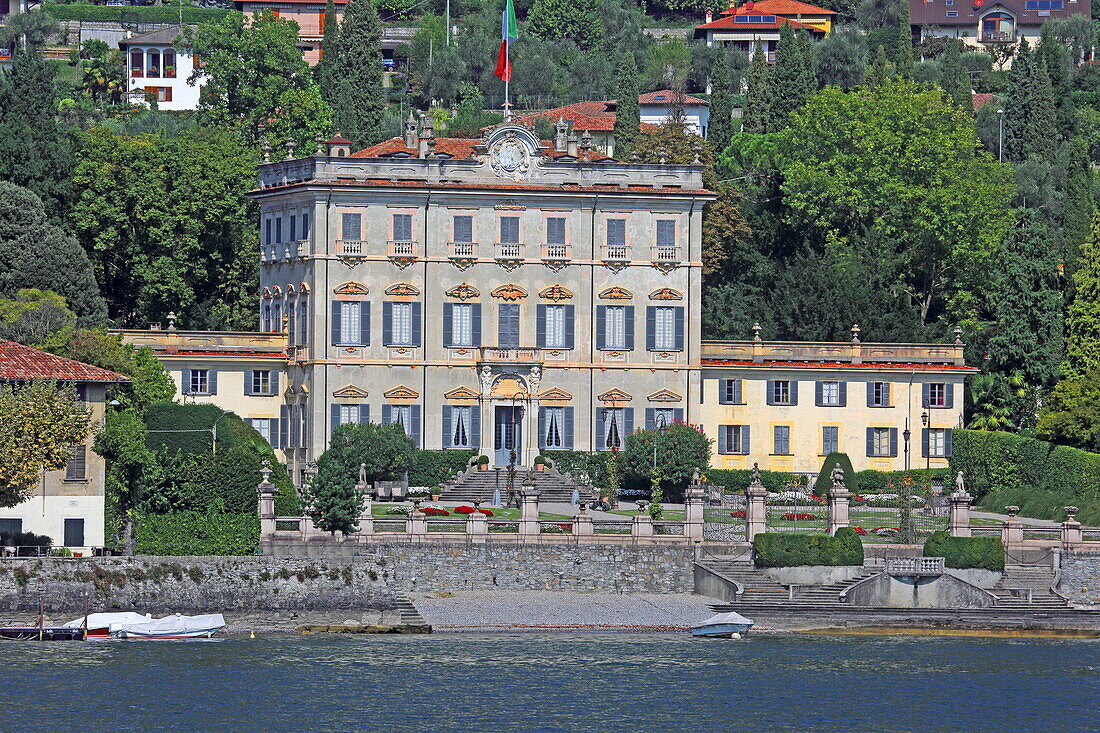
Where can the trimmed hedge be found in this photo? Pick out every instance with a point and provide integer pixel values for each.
(1004, 469)
(433, 467)
(738, 479)
(986, 553)
(789, 549)
(186, 428)
(825, 475)
(195, 533)
(877, 482)
(169, 14)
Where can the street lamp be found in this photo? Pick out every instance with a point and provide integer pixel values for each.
(510, 443)
(1000, 135)
(906, 434)
(924, 422)
(214, 432)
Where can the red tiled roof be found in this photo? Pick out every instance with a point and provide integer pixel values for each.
(881, 365)
(602, 189)
(777, 7)
(591, 116)
(980, 100)
(19, 362)
(457, 148)
(664, 96)
(339, 139)
(968, 14)
(728, 23)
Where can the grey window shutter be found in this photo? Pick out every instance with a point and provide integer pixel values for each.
(893, 442)
(447, 434)
(794, 391)
(415, 324)
(185, 383)
(303, 425)
(475, 326)
(540, 326)
(924, 442)
(738, 395)
(274, 381)
(948, 447)
(677, 414)
(475, 427)
(387, 323)
(351, 227)
(601, 433)
(387, 414)
(949, 402)
(76, 469)
(650, 418)
(819, 397)
(628, 423)
(870, 395)
(414, 433)
(724, 389)
(334, 416)
(336, 313)
(212, 381)
(542, 428)
(650, 327)
(567, 438)
(273, 432)
(364, 323)
(248, 382)
(870, 440)
(284, 426)
(569, 311)
(843, 394)
(744, 439)
(771, 392)
(448, 326)
(723, 438)
(601, 327)
(925, 395)
(679, 315)
(628, 320)
(886, 393)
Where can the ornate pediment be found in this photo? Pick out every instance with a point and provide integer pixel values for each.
(509, 292)
(615, 395)
(665, 395)
(463, 291)
(556, 292)
(401, 392)
(666, 294)
(350, 391)
(555, 393)
(265, 292)
(616, 293)
(398, 289)
(351, 288)
(461, 393)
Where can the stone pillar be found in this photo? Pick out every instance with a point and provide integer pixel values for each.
(477, 525)
(1012, 531)
(838, 509)
(642, 525)
(529, 511)
(958, 517)
(755, 512)
(416, 526)
(582, 522)
(1071, 529)
(266, 491)
(693, 510)
(366, 518)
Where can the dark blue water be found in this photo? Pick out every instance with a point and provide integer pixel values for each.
(552, 682)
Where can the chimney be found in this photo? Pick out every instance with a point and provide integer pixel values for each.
(410, 132)
(561, 134)
(426, 133)
(710, 15)
(571, 145)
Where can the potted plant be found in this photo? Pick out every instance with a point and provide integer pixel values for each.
(436, 493)
(483, 462)
(540, 463)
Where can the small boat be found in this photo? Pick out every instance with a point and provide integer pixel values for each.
(98, 625)
(41, 633)
(730, 625)
(129, 625)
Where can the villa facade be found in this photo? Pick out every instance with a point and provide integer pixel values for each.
(159, 65)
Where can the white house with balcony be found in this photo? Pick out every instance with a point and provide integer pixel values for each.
(158, 69)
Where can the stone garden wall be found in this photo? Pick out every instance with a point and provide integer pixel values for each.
(1081, 578)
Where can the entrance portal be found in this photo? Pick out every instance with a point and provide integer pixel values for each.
(507, 435)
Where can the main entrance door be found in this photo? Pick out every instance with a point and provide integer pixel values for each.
(508, 435)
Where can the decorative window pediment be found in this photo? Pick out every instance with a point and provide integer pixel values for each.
(401, 392)
(303, 288)
(351, 288)
(402, 289)
(461, 393)
(509, 292)
(665, 395)
(463, 291)
(350, 391)
(555, 393)
(666, 294)
(615, 395)
(556, 292)
(265, 292)
(290, 289)
(616, 293)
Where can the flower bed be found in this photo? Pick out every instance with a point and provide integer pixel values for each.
(886, 531)
(470, 510)
(799, 517)
(860, 531)
(403, 509)
(435, 511)
(739, 514)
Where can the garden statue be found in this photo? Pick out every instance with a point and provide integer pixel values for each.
(755, 474)
(838, 478)
(960, 483)
(362, 474)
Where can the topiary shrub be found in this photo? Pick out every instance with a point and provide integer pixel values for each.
(985, 553)
(791, 549)
(185, 429)
(825, 475)
(434, 467)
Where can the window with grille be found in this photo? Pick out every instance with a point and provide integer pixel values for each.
(880, 442)
(781, 392)
(261, 382)
(830, 393)
(937, 395)
(462, 324)
(880, 394)
(735, 439)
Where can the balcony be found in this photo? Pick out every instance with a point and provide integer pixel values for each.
(504, 355)
(402, 254)
(462, 250)
(616, 255)
(556, 252)
(509, 255)
(998, 37)
(665, 255)
(351, 247)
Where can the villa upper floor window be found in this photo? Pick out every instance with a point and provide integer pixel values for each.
(463, 228)
(666, 233)
(402, 228)
(782, 392)
(509, 230)
(616, 232)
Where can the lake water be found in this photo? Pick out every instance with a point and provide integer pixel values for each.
(552, 682)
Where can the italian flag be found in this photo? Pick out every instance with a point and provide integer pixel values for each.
(509, 32)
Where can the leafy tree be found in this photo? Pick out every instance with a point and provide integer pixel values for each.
(903, 57)
(792, 79)
(1072, 414)
(33, 316)
(840, 58)
(41, 424)
(558, 20)
(721, 105)
(103, 72)
(132, 467)
(668, 64)
(956, 81)
(255, 80)
(880, 69)
(1083, 314)
(892, 173)
(355, 91)
(627, 111)
(757, 114)
(28, 32)
(681, 449)
(37, 254)
(471, 115)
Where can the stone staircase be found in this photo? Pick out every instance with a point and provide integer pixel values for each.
(408, 613)
(474, 485)
(1027, 587)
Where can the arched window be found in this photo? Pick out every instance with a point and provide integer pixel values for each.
(265, 318)
(152, 64)
(170, 64)
(137, 63)
(998, 26)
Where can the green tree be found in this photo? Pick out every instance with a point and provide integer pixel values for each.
(627, 111)
(42, 422)
(329, 41)
(1083, 314)
(1030, 126)
(355, 91)
(103, 72)
(956, 81)
(903, 57)
(893, 173)
(132, 468)
(758, 98)
(791, 79)
(149, 380)
(1072, 414)
(35, 253)
(721, 127)
(560, 20)
(26, 33)
(33, 316)
(681, 450)
(840, 58)
(255, 80)
(880, 69)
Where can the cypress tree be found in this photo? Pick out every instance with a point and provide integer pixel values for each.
(757, 112)
(1042, 123)
(357, 97)
(1018, 104)
(904, 57)
(721, 106)
(879, 70)
(1083, 315)
(789, 77)
(329, 41)
(809, 72)
(627, 111)
(956, 80)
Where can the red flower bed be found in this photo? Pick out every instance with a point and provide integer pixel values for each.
(740, 514)
(893, 529)
(470, 510)
(860, 531)
(432, 511)
(800, 516)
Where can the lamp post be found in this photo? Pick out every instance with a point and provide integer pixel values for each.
(924, 422)
(906, 434)
(517, 397)
(655, 496)
(214, 433)
(1000, 135)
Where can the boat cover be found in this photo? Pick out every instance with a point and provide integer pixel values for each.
(104, 620)
(171, 625)
(726, 618)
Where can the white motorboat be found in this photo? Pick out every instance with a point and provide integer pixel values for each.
(129, 625)
(723, 626)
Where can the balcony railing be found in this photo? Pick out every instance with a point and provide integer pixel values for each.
(665, 254)
(509, 251)
(516, 355)
(462, 249)
(840, 352)
(615, 253)
(998, 37)
(401, 249)
(351, 247)
(556, 252)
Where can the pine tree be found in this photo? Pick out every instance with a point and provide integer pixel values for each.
(627, 111)
(357, 97)
(903, 58)
(956, 80)
(879, 70)
(789, 79)
(329, 41)
(1018, 104)
(721, 106)
(809, 71)
(1083, 315)
(758, 97)
(1043, 136)
(1052, 54)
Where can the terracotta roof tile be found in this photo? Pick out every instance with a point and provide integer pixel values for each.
(728, 23)
(19, 362)
(777, 7)
(338, 139)
(664, 96)
(455, 148)
(980, 100)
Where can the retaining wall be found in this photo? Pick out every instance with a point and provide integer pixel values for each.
(1081, 578)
